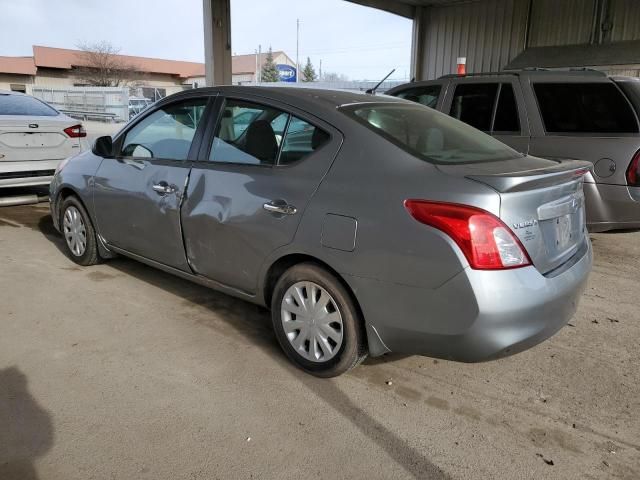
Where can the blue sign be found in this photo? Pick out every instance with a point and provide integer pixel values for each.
(287, 73)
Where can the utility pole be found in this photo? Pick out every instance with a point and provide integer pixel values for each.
(297, 50)
(259, 72)
(320, 71)
(255, 76)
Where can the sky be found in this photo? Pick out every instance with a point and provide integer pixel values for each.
(356, 41)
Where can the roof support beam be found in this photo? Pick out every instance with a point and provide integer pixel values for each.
(217, 41)
(398, 7)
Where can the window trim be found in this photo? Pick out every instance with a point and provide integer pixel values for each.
(203, 158)
(515, 133)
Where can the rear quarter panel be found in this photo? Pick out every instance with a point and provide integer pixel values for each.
(369, 182)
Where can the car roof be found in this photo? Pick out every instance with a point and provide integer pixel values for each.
(319, 98)
(320, 103)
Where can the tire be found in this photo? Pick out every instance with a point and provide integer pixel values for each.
(331, 354)
(82, 256)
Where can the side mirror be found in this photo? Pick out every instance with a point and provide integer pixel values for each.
(103, 147)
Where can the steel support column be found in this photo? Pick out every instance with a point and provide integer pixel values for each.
(217, 41)
(417, 44)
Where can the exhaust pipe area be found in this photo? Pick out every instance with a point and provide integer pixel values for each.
(22, 200)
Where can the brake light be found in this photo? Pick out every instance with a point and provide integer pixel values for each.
(633, 172)
(76, 131)
(484, 239)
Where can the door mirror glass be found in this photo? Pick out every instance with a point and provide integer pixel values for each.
(138, 151)
(103, 147)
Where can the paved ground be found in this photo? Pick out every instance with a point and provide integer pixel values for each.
(122, 372)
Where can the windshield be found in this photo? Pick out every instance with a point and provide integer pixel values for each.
(428, 134)
(11, 104)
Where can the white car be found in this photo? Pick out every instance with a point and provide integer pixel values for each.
(34, 139)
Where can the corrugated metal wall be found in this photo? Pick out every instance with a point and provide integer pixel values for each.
(487, 33)
(490, 33)
(625, 20)
(566, 22)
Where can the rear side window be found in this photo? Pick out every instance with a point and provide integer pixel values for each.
(584, 108)
(427, 96)
(430, 135)
(24, 105)
(473, 104)
(506, 119)
(253, 134)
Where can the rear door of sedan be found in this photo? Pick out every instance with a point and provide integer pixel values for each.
(138, 193)
(254, 176)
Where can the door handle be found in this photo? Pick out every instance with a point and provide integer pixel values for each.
(280, 207)
(163, 188)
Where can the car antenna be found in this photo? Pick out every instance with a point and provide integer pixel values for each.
(372, 91)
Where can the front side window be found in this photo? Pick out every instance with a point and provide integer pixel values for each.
(23, 105)
(473, 104)
(427, 96)
(167, 133)
(253, 134)
(584, 108)
(430, 135)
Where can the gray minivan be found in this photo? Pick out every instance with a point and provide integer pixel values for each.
(556, 114)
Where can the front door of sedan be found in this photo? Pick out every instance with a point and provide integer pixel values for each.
(138, 193)
(250, 187)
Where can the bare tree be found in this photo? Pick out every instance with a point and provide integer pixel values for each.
(334, 77)
(101, 66)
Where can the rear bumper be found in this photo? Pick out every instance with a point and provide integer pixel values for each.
(27, 174)
(476, 315)
(612, 207)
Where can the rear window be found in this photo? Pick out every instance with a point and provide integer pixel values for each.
(584, 108)
(24, 105)
(632, 90)
(430, 135)
(427, 95)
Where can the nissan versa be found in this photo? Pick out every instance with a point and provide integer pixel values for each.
(367, 224)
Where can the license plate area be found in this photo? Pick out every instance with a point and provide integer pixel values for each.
(563, 226)
(32, 140)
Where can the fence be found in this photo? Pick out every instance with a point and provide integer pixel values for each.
(349, 85)
(88, 102)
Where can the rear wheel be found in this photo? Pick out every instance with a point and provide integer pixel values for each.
(78, 232)
(316, 322)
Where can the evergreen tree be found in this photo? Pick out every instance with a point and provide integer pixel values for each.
(309, 73)
(269, 69)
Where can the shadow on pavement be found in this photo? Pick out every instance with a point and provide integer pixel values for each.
(231, 315)
(26, 429)
(254, 323)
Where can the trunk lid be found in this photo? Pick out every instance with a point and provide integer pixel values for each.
(25, 138)
(540, 200)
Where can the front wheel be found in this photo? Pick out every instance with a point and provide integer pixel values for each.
(78, 232)
(316, 321)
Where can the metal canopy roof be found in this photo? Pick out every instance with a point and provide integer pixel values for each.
(405, 8)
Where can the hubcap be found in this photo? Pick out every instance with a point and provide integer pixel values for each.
(75, 232)
(312, 321)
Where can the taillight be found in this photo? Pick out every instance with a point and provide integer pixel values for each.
(633, 172)
(76, 131)
(484, 239)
